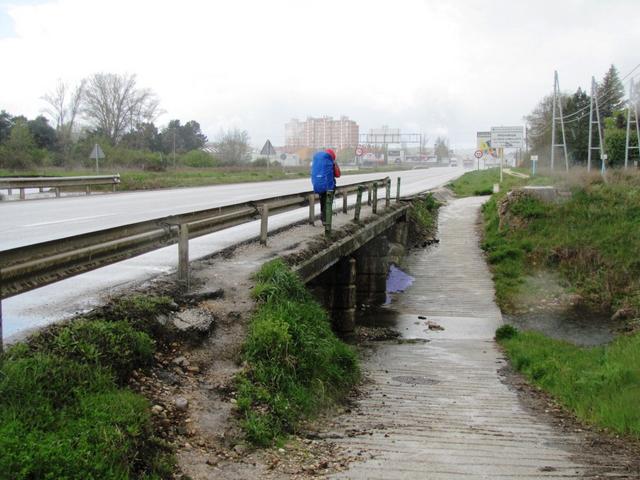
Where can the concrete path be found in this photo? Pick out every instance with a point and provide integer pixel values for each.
(436, 408)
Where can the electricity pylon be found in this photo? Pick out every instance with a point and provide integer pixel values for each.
(557, 105)
(632, 107)
(600, 147)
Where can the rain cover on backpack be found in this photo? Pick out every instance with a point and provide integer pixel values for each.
(322, 172)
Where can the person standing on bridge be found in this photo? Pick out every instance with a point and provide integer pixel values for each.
(324, 171)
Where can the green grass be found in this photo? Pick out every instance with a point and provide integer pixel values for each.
(64, 412)
(600, 384)
(592, 239)
(295, 363)
(424, 212)
(480, 182)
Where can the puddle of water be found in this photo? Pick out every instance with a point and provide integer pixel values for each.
(397, 282)
(575, 325)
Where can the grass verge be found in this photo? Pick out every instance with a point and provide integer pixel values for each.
(600, 384)
(592, 239)
(295, 363)
(480, 182)
(64, 410)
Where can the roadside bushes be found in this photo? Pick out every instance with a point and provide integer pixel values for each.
(600, 384)
(295, 363)
(64, 412)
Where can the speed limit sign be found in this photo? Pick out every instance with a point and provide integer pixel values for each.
(478, 154)
(359, 151)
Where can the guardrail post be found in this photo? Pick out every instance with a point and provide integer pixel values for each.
(398, 190)
(387, 193)
(345, 196)
(374, 201)
(87, 189)
(369, 187)
(57, 192)
(10, 191)
(22, 194)
(312, 208)
(328, 213)
(183, 254)
(356, 215)
(41, 189)
(264, 223)
(113, 188)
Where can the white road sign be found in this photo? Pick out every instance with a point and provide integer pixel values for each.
(507, 137)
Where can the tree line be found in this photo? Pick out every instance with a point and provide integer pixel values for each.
(610, 93)
(113, 111)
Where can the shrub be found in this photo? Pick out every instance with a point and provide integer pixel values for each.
(506, 332)
(198, 159)
(296, 364)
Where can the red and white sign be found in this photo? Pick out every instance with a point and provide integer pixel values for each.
(478, 154)
(359, 151)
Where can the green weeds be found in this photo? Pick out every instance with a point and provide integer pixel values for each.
(63, 412)
(592, 239)
(424, 213)
(295, 363)
(600, 384)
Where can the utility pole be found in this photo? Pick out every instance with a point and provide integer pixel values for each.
(174, 148)
(594, 103)
(632, 105)
(557, 105)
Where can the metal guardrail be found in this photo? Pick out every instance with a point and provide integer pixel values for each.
(33, 266)
(22, 183)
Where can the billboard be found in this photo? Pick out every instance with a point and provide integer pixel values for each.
(483, 140)
(383, 135)
(507, 137)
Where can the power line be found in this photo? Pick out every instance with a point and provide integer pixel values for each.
(600, 95)
(584, 108)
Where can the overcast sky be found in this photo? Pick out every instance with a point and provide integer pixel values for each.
(440, 67)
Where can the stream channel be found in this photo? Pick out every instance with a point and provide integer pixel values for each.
(574, 325)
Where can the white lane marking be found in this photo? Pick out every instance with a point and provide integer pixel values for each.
(66, 220)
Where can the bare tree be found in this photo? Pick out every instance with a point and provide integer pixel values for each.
(63, 108)
(114, 105)
(232, 147)
(57, 100)
(64, 105)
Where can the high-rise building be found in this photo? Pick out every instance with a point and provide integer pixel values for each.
(321, 132)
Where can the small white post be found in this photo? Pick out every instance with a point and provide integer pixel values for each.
(183, 254)
(264, 223)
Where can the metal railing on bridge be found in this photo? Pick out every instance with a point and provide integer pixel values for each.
(33, 266)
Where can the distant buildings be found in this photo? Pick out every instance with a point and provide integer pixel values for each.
(322, 132)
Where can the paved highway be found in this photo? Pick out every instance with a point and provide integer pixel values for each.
(33, 221)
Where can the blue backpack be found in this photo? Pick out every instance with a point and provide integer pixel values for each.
(322, 172)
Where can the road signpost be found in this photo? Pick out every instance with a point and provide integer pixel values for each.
(507, 137)
(478, 154)
(534, 161)
(97, 153)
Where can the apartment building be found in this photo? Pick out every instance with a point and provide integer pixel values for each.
(321, 132)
